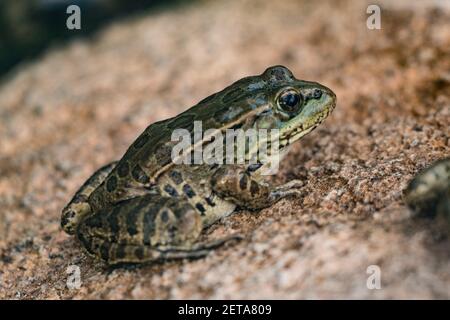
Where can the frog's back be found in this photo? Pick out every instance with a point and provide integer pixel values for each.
(150, 154)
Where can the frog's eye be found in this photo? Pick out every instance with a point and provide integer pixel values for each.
(290, 101)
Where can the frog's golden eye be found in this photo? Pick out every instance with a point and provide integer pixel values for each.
(290, 101)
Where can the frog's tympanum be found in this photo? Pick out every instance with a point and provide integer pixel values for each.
(428, 194)
(145, 207)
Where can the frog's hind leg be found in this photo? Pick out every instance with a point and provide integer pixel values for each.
(119, 254)
(145, 229)
(200, 246)
(78, 207)
(116, 254)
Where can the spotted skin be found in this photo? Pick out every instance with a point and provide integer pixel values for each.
(145, 207)
(78, 207)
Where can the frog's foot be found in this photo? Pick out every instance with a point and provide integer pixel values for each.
(286, 190)
(201, 246)
(78, 207)
(121, 254)
(118, 254)
(239, 186)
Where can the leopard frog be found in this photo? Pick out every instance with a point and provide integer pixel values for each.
(145, 207)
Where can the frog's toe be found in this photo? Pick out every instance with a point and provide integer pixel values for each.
(72, 215)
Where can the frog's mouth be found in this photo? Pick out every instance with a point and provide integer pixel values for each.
(295, 135)
(297, 128)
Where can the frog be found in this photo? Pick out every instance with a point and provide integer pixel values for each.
(145, 207)
(428, 193)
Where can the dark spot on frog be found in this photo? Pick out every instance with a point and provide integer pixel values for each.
(120, 252)
(163, 154)
(111, 184)
(170, 190)
(209, 201)
(139, 253)
(94, 221)
(149, 224)
(123, 169)
(254, 166)
(104, 251)
(139, 175)
(70, 214)
(317, 93)
(176, 177)
(187, 189)
(132, 221)
(254, 188)
(113, 220)
(164, 216)
(200, 208)
(172, 231)
(64, 221)
(243, 182)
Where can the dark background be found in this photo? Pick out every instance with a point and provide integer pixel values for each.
(28, 27)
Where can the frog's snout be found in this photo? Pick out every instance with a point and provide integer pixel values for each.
(329, 98)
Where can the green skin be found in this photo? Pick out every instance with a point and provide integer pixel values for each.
(145, 208)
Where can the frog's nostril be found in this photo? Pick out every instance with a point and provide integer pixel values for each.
(317, 93)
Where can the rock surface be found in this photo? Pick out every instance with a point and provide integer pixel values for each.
(81, 105)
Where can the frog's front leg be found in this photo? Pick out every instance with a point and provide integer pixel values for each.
(238, 185)
(145, 229)
(78, 207)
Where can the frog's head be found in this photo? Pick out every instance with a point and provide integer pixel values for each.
(274, 99)
(294, 107)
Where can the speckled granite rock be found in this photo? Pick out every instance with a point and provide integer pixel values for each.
(80, 106)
